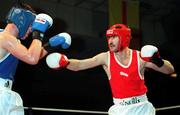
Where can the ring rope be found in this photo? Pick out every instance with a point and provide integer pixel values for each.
(65, 110)
(166, 108)
(84, 111)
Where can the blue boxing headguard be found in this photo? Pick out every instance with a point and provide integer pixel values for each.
(22, 18)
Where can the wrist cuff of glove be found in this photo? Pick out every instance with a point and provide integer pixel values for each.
(49, 48)
(38, 35)
(159, 62)
(64, 61)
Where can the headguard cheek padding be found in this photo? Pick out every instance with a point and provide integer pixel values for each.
(22, 18)
(123, 32)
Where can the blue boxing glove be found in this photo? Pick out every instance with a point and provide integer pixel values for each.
(62, 40)
(67, 38)
(41, 23)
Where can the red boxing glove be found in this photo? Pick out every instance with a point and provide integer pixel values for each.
(56, 61)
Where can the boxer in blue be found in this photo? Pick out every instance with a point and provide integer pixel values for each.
(22, 21)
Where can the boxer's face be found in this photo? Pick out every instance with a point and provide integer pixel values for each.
(27, 33)
(113, 43)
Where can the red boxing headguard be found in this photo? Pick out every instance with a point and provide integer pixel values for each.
(123, 32)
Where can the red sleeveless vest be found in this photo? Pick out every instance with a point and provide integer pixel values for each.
(126, 81)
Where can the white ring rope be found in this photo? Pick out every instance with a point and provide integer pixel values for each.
(166, 108)
(84, 111)
(65, 110)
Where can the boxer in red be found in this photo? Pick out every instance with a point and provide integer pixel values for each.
(125, 69)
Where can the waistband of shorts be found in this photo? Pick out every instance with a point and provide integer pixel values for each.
(6, 83)
(130, 100)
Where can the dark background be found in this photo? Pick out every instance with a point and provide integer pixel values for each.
(40, 86)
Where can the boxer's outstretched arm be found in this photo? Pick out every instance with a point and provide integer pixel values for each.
(76, 65)
(57, 60)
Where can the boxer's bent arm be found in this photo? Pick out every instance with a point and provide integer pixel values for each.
(167, 68)
(43, 53)
(29, 56)
(76, 64)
